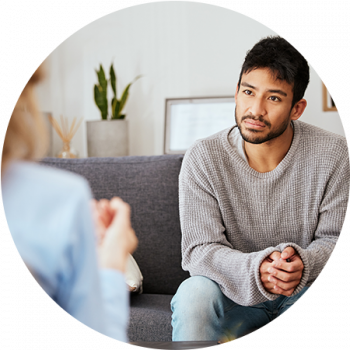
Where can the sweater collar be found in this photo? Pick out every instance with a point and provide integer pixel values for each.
(281, 167)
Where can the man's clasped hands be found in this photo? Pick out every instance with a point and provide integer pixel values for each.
(116, 239)
(280, 276)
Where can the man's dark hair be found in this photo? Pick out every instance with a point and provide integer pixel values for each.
(283, 60)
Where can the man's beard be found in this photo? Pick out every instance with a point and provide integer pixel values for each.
(257, 139)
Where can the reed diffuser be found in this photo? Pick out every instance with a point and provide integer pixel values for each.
(66, 133)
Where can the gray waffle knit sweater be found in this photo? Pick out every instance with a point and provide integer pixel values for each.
(233, 217)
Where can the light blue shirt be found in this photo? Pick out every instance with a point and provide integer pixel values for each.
(49, 216)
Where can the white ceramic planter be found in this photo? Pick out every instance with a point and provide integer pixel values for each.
(107, 138)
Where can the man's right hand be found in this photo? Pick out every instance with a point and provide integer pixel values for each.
(279, 276)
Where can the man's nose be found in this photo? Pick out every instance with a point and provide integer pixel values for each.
(258, 107)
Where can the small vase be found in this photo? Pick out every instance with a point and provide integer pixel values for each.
(67, 151)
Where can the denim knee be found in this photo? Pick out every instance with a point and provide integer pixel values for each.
(198, 310)
(196, 295)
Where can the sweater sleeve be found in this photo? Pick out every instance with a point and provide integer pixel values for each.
(205, 248)
(330, 221)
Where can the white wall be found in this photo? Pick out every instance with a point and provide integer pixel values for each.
(182, 49)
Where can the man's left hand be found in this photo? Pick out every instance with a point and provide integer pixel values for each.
(286, 275)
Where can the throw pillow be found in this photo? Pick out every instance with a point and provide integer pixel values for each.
(133, 276)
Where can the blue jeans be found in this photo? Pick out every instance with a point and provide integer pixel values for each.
(202, 312)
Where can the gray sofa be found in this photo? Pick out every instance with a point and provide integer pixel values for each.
(150, 186)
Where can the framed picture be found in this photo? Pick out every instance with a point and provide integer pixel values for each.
(327, 101)
(191, 119)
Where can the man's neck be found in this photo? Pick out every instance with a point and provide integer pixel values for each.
(266, 156)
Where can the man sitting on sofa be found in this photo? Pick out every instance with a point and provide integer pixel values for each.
(261, 204)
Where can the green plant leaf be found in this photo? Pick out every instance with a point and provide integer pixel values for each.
(124, 97)
(125, 94)
(137, 78)
(115, 108)
(102, 78)
(100, 93)
(100, 97)
(113, 80)
(113, 102)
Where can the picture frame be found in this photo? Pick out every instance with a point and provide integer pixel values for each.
(191, 118)
(328, 104)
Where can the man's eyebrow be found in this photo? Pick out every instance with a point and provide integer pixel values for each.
(280, 92)
(248, 85)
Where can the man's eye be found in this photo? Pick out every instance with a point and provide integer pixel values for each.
(275, 98)
(247, 92)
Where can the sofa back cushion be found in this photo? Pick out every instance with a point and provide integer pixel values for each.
(150, 186)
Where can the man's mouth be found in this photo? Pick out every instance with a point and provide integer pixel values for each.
(254, 124)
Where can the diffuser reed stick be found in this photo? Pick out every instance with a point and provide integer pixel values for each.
(66, 133)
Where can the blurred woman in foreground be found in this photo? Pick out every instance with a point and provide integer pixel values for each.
(50, 219)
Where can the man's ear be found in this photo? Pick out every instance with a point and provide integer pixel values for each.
(298, 109)
(236, 93)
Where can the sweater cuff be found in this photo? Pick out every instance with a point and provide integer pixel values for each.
(265, 253)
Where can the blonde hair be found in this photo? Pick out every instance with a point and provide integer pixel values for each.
(26, 137)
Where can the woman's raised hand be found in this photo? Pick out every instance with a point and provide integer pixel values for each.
(116, 238)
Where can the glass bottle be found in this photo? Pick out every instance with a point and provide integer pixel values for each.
(67, 151)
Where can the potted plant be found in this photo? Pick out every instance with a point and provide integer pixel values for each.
(108, 137)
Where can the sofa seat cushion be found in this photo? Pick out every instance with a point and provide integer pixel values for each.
(150, 318)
